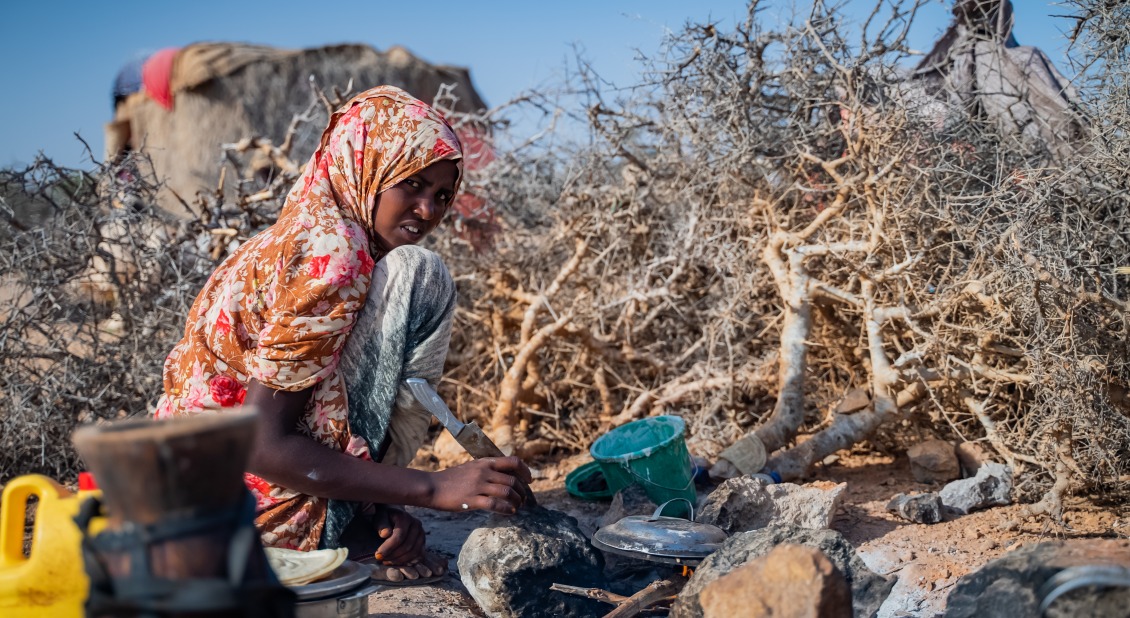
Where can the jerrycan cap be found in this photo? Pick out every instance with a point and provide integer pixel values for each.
(86, 482)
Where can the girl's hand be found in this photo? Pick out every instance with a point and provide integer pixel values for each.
(403, 537)
(489, 484)
(402, 556)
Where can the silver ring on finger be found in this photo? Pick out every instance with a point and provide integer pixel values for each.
(465, 506)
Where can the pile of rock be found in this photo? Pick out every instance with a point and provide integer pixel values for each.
(937, 461)
(780, 551)
(746, 556)
(781, 558)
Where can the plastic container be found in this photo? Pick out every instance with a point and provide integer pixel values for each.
(587, 482)
(652, 453)
(50, 580)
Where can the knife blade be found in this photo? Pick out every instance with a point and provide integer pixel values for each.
(469, 435)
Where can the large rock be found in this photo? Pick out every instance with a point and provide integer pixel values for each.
(868, 589)
(792, 580)
(747, 503)
(1010, 585)
(919, 508)
(934, 461)
(509, 564)
(991, 487)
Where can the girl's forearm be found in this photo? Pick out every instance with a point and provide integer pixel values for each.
(297, 462)
(294, 460)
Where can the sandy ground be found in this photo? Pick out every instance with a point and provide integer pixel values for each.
(927, 559)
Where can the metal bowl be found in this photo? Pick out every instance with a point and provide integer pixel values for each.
(354, 604)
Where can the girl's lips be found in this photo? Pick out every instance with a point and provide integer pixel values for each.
(412, 230)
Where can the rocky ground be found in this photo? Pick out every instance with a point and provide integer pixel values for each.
(927, 559)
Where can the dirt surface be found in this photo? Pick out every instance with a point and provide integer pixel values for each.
(927, 559)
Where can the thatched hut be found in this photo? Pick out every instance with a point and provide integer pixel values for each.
(220, 93)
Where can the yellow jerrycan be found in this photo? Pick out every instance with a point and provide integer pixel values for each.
(51, 580)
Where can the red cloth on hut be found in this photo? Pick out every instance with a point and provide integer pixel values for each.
(155, 74)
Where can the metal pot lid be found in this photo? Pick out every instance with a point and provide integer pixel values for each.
(669, 539)
(343, 579)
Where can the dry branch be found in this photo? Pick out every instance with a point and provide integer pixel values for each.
(653, 593)
(595, 594)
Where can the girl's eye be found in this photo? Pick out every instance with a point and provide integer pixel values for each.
(412, 183)
(445, 197)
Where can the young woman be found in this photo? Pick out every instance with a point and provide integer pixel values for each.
(316, 322)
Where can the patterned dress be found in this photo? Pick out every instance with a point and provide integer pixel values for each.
(280, 308)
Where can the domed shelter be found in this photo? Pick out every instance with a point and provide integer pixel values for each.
(187, 102)
(978, 64)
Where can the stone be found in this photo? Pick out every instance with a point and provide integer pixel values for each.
(1011, 585)
(919, 508)
(934, 461)
(856, 400)
(868, 589)
(746, 503)
(632, 500)
(971, 456)
(792, 580)
(991, 487)
(509, 564)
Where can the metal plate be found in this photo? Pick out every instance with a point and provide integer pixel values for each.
(343, 579)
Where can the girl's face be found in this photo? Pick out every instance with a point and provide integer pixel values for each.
(409, 210)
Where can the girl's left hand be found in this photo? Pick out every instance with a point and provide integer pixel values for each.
(403, 537)
(402, 554)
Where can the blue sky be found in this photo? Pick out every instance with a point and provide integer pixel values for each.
(60, 58)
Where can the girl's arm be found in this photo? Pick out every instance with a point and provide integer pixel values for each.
(288, 458)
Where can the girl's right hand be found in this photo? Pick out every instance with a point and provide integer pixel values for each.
(490, 484)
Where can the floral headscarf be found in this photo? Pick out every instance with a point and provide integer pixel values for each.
(378, 139)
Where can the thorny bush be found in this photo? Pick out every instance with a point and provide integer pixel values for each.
(91, 297)
(776, 217)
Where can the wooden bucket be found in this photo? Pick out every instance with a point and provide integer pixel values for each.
(180, 482)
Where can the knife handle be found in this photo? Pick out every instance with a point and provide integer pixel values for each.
(475, 441)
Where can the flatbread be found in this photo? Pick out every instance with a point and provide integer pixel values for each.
(298, 568)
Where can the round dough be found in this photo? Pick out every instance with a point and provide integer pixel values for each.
(298, 568)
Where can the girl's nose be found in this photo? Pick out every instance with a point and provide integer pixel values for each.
(427, 208)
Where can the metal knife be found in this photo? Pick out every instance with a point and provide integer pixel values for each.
(469, 435)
